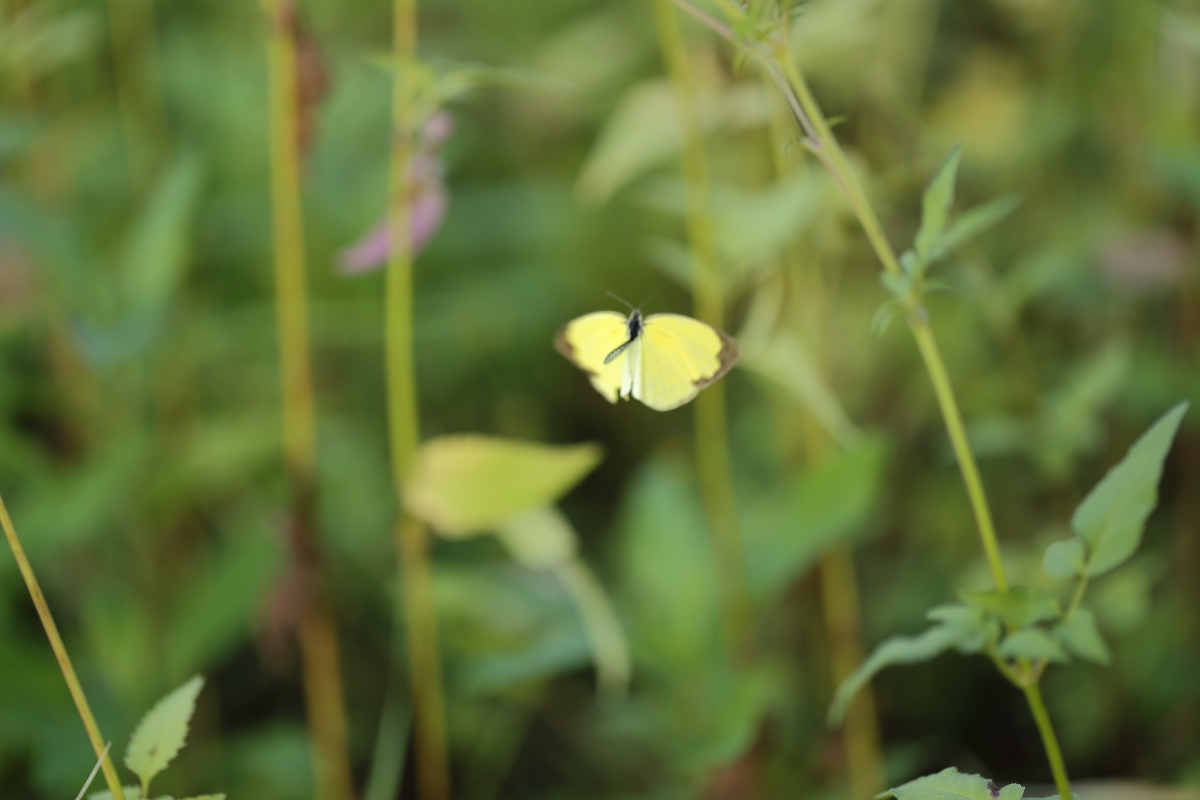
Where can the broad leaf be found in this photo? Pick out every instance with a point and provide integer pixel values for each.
(468, 484)
(1064, 559)
(1019, 606)
(1113, 515)
(162, 732)
(950, 784)
(1033, 643)
(935, 206)
(1081, 637)
(967, 631)
(130, 792)
(974, 222)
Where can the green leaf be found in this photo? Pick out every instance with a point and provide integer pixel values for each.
(786, 531)
(936, 205)
(1113, 515)
(539, 539)
(884, 316)
(162, 732)
(971, 624)
(1019, 606)
(950, 784)
(156, 252)
(1033, 643)
(206, 797)
(967, 632)
(1064, 559)
(467, 484)
(1081, 637)
(974, 222)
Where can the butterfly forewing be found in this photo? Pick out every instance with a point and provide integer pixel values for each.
(588, 340)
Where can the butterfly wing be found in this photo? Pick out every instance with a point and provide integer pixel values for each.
(588, 340)
(679, 357)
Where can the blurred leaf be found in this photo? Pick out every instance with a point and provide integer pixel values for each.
(157, 249)
(961, 628)
(1032, 643)
(828, 504)
(669, 581)
(162, 732)
(539, 539)
(1111, 518)
(1081, 637)
(217, 607)
(644, 130)
(206, 797)
(131, 793)
(950, 784)
(467, 484)
(972, 223)
(1064, 559)
(1019, 606)
(935, 205)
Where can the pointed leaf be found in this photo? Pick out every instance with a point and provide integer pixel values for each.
(1033, 643)
(1064, 559)
(1080, 635)
(1019, 606)
(467, 484)
(162, 732)
(974, 222)
(1113, 515)
(907, 650)
(950, 784)
(936, 204)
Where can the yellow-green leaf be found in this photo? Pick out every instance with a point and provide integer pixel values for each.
(539, 539)
(468, 484)
(162, 732)
(935, 206)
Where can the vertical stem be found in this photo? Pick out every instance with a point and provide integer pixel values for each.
(317, 633)
(712, 446)
(839, 586)
(1033, 693)
(60, 653)
(412, 539)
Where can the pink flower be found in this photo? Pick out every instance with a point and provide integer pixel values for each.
(428, 202)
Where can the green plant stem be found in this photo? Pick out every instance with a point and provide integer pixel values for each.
(1033, 694)
(712, 446)
(433, 774)
(320, 660)
(60, 653)
(839, 585)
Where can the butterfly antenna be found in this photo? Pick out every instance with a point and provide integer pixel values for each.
(651, 297)
(622, 299)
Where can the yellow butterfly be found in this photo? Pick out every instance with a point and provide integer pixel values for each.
(664, 360)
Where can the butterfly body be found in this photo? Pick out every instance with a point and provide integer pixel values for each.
(663, 360)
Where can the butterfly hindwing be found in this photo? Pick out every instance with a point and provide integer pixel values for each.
(679, 356)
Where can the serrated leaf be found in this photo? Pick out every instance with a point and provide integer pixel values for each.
(950, 784)
(934, 641)
(468, 484)
(1082, 637)
(1064, 559)
(974, 222)
(935, 206)
(162, 732)
(1033, 643)
(1019, 606)
(1113, 515)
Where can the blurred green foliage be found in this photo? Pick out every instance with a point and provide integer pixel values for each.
(139, 444)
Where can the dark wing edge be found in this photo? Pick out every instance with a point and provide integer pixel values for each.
(563, 346)
(730, 353)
